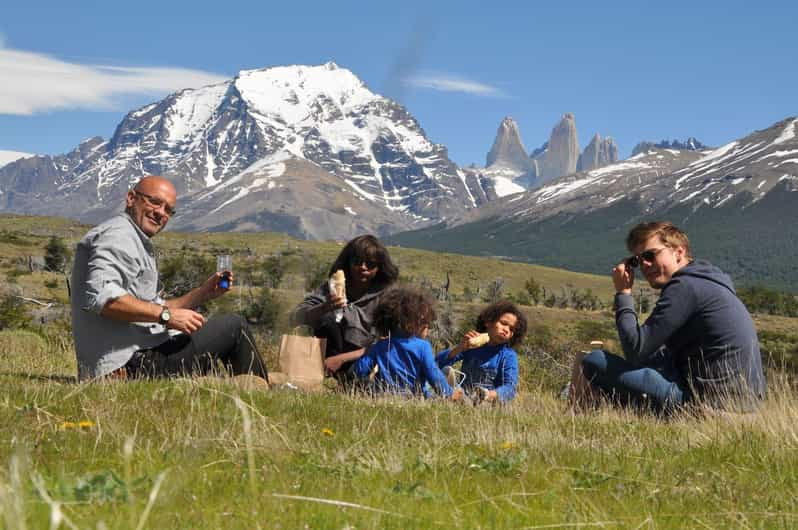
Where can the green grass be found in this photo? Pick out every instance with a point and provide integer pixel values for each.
(206, 453)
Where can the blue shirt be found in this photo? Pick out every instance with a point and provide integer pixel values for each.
(493, 367)
(405, 363)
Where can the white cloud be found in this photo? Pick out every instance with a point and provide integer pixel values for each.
(449, 83)
(34, 83)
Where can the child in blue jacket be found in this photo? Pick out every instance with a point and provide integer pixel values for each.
(491, 371)
(404, 361)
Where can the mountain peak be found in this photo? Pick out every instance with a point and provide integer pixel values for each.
(508, 149)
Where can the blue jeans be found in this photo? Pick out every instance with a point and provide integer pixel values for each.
(661, 388)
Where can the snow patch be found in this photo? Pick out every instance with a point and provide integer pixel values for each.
(6, 157)
(788, 133)
(505, 186)
(349, 210)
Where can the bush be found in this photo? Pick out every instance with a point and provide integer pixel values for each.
(273, 271)
(314, 271)
(533, 289)
(57, 255)
(182, 273)
(12, 313)
(264, 310)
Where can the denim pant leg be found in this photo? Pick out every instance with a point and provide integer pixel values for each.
(634, 384)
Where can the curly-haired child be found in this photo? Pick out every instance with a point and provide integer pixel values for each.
(491, 370)
(404, 360)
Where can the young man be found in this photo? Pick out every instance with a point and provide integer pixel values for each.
(699, 343)
(120, 324)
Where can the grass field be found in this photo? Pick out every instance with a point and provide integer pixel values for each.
(207, 453)
(211, 453)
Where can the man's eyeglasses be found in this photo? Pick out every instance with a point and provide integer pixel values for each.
(370, 264)
(648, 256)
(155, 202)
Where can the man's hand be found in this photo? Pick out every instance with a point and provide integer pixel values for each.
(185, 320)
(211, 289)
(457, 394)
(623, 277)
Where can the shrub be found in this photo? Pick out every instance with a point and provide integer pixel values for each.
(263, 310)
(180, 274)
(12, 313)
(57, 255)
(273, 271)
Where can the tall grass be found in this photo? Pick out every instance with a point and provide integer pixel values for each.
(207, 453)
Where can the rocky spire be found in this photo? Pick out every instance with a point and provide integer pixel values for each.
(562, 154)
(598, 153)
(508, 150)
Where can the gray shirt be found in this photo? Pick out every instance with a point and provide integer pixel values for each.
(113, 259)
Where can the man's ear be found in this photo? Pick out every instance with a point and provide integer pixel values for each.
(131, 196)
(680, 252)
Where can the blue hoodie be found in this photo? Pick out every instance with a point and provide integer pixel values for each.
(707, 334)
(406, 363)
(494, 367)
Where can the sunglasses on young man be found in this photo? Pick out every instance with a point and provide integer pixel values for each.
(648, 256)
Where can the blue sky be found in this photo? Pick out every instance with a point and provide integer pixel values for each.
(630, 70)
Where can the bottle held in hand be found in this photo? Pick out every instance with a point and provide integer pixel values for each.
(224, 264)
(338, 286)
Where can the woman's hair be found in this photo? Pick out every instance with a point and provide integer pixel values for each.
(669, 235)
(494, 311)
(404, 309)
(367, 248)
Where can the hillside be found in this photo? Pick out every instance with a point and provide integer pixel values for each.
(735, 202)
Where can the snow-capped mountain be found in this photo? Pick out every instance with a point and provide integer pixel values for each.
(738, 202)
(6, 157)
(309, 150)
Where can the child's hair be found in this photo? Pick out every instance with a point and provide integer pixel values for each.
(494, 311)
(404, 309)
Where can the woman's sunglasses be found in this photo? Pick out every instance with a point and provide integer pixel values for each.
(370, 264)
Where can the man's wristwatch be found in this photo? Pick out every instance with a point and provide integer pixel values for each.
(164, 316)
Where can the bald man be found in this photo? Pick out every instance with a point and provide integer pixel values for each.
(122, 327)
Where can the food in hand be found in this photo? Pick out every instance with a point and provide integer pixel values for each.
(479, 340)
(338, 283)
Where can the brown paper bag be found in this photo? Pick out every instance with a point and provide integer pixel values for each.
(302, 361)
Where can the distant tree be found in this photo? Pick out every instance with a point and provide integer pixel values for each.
(495, 290)
(273, 270)
(57, 255)
(534, 289)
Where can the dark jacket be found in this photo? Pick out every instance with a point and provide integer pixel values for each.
(357, 325)
(707, 334)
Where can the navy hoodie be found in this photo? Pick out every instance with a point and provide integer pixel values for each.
(707, 334)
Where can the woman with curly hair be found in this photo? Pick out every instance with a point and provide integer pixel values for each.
(490, 368)
(403, 361)
(347, 322)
